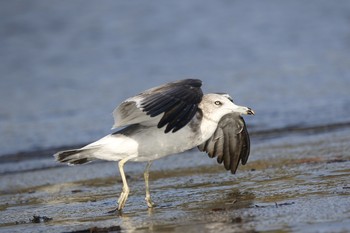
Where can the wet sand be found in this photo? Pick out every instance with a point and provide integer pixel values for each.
(297, 180)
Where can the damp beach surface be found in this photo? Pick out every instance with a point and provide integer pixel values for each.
(66, 65)
(298, 182)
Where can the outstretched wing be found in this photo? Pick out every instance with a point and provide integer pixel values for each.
(177, 101)
(230, 142)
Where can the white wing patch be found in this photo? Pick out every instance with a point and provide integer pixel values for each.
(129, 112)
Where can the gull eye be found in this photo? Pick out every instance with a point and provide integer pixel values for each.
(218, 103)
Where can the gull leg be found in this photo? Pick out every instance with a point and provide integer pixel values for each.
(148, 199)
(124, 195)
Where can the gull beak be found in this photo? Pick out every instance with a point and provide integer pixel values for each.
(243, 110)
(250, 112)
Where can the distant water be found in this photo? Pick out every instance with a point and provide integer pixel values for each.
(65, 65)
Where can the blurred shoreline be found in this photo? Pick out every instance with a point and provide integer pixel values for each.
(254, 134)
(29, 161)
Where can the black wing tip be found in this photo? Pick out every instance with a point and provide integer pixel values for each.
(167, 98)
(196, 83)
(179, 94)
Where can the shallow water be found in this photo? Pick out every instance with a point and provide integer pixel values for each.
(66, 65)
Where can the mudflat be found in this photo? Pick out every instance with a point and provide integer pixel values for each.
(296, 180)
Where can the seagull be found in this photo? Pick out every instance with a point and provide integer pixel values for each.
(170, 119)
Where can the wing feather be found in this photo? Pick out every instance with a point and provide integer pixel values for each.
(227, 154)
(172, 105)
(246, 146)
(230, 142)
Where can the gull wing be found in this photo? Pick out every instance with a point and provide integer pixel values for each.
(172, 105)
(230, 142)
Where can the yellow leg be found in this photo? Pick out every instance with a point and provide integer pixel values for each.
(148, 199)
(125, 193)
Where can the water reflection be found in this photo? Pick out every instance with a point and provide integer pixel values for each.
(221, 207)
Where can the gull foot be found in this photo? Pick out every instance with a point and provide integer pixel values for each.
(122, 199)
(149, 202)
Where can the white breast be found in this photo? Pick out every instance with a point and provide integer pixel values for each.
(153, 143)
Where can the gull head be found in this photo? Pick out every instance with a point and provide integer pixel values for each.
(215, 106)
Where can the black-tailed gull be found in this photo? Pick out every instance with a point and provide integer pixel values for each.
(170, 119)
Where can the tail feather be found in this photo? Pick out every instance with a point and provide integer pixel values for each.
(75, 156)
